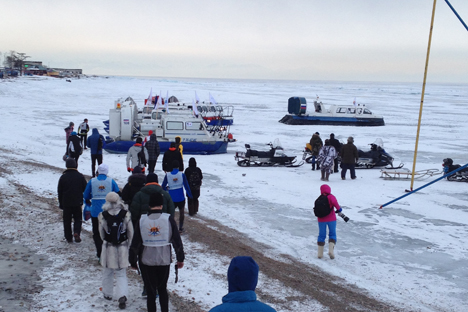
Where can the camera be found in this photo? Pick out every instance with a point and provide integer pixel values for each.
(345, 218)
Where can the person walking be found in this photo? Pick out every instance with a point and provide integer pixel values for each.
(152, 146)
(134, 184)
(242, 276)
(135, 157)
(316, 144)
(152, 250)
(179, 146)
(194, 177)
(175, 182)
(325, 159)
(116, 231)
(337, 145)
(83, 129)
(349, 157)
(68, 131)
(70, 190)
(95, 196)
(75, 149)
(327, 221)
(96, 143)
(169, 156)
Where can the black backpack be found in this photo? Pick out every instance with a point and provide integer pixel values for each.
(99, 143)
(195, 180)
(142, 157)
(115, 235)
(322, 206)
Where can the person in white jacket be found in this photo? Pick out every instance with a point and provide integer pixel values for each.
(114, 255)
(133, 158)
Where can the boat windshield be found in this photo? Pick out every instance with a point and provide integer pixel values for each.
(276, 143)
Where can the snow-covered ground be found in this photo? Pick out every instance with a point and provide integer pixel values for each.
(409, 253)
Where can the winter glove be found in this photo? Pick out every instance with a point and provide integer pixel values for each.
(129, 169)
(88, 202)
(339, 210)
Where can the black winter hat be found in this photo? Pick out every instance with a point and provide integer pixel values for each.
(70, 163)
(192, 162)
(139, 140)
(137, 169)
(155, 200)
(152, 177)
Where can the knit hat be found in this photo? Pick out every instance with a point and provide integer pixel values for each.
(112, 197)
(73, 133)
(152, 177)
(155, 200)
(137, 169)
(242, 274)
(103, 169)
(350, 140)
(175, 164)
(71, 163)
(317, 133)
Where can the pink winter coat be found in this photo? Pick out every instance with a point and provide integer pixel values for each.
(326, 190)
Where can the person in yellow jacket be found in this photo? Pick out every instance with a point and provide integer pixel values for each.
(178, 141)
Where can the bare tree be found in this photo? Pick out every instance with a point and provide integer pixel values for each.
(15, 60)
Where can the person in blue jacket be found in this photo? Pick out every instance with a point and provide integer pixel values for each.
(175, 182)
(96, 143)
(95, 196)
(242, 280)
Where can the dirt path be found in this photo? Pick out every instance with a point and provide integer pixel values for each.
(310, 282)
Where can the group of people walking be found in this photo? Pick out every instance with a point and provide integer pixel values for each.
(326, 157)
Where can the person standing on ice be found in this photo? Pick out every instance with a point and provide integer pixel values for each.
(83, 130)
(326, 159)
(349, 158)
(96, 143)
(95, 196)
(115, 255)
(316, 143)
(337, 145)
(134, 157)
(70, 190)
(242, 278)
(155, 232)
(75, 149)
(175, 182)
(169, 156)
(194, 177)
(328, 221)
(152, 146)
(68, 131)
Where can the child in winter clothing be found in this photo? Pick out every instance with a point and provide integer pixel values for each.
(114, 258)
(330, 221)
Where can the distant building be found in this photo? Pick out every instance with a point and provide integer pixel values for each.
(36, 68)
(68, 72)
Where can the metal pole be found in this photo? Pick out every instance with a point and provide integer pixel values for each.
(420, 188)
(459, 18)
(422, 96)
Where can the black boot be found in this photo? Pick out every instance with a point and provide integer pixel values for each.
(313, 166)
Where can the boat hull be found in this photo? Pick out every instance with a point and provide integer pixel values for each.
(332, 121)
(190, 148)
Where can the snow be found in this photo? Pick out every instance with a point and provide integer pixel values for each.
(410, 253)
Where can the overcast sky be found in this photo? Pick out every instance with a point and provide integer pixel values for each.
(354, 40)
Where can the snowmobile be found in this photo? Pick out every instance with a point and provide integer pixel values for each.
(459, 176)
(376, 157)
(274, 157)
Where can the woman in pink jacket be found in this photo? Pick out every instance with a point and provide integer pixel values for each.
(330, 221)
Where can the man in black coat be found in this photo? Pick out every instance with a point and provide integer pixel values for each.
(337, 145)
(74, 147)
(169, 156)
(70, 190)
(152, 146)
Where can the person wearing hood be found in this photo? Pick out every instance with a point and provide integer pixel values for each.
(194, 177)
(74, 147)
(96, 143)
(152, 146)
(70, 190)
(68, 131)
(134, 184)
(349, 158)
(316, 143)
(147, 138)
(169, 156)
(326, 159)
(155, 233)
(242, 278)
(115, 255)
(328, 221)
(133, 156)
(175, 182)
(95, 196)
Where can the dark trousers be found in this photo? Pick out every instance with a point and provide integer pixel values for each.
(75, 156)
(345, 167)
(151, 165)
(95, 157)
(337, 162)
(96, 236)
(181, 206)
(84, 138)
(155, 278)
(193, 202)
(70, 213)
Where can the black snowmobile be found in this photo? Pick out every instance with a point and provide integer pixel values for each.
(274, 157)
(376, 157)
(459, 176)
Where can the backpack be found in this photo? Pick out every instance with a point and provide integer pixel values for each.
(114, 234)
(322, 206)
(99, 144)
(195, 180)
(141, 156)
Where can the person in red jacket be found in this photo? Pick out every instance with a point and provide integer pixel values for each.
(328, 221)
